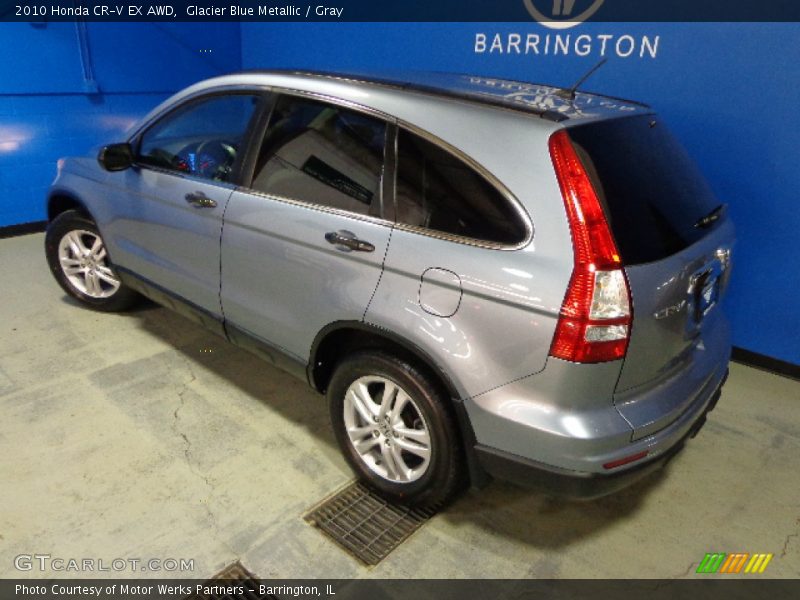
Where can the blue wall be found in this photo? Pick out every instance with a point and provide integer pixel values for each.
(728, 90)
(48, 109)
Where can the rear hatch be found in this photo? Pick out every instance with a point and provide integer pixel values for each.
(675, 240)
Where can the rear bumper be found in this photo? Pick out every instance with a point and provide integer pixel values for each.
(580, 484)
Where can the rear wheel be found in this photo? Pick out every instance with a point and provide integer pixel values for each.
(79, 261)
(395, 428)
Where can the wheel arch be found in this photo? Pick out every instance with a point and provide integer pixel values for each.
(60, 200)
(340, 338)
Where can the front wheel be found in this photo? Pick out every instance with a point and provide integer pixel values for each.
(395, 428)
(79, 261)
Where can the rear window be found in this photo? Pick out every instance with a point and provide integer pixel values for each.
(651, 191)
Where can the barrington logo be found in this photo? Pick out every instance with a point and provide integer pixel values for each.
(562, 14)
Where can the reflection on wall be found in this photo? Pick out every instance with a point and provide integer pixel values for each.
(66, 88)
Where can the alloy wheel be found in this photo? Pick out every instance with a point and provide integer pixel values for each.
(387, 429)
(84, 261)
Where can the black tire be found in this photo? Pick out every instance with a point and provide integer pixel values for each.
(445, 473)
(73, 221)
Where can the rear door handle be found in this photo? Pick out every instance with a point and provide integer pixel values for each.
(200, 200)
(347, 241)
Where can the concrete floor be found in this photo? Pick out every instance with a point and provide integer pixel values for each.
(140, 435)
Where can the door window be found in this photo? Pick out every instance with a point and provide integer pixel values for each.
(322, 154)
(202, 138)
(440, 192)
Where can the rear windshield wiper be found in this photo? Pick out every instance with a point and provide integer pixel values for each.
(711, 217)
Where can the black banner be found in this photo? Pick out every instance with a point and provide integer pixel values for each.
(553, 13)
(711, 588)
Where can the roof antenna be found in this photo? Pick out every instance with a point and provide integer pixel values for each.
(569, 94)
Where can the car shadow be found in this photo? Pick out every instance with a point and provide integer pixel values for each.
(500, 508)
(240, 369)
(543, 521)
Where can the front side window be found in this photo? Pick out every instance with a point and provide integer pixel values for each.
(322, 154)
(440, 192)
(202, 138)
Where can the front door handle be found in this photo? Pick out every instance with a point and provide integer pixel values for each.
(200, 200)
(347, 241)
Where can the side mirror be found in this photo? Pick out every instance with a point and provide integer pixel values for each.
(116, 157)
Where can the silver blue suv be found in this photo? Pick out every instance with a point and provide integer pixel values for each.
(486, 277)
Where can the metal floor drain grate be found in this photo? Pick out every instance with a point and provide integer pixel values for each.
(235, 576)
(366, 525)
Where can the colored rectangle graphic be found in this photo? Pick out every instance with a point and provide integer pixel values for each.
(734, 563)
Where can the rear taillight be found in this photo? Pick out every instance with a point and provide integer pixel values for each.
(595, 320)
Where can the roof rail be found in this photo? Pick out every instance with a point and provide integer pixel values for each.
(460, 93)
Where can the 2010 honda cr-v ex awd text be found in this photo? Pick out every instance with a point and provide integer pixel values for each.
(485, 277)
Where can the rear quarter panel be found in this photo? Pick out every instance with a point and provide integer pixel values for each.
(510, 298)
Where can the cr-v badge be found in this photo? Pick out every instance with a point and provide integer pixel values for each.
(670, 310)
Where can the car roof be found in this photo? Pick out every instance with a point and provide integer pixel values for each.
(547, 102)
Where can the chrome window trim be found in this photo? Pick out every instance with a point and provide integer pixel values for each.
(460, 155)
(135, 139)
(226, 185)
(355, 106)
(211, 91)
(349, 104)
(489, 177)
(318, 207)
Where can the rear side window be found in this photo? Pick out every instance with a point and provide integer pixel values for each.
(652, 192)
(322, 154)
(437, 191)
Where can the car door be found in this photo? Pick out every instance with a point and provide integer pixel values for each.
(303, 244)
(186, 163)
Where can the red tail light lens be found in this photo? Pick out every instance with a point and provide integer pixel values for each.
(595, 320)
